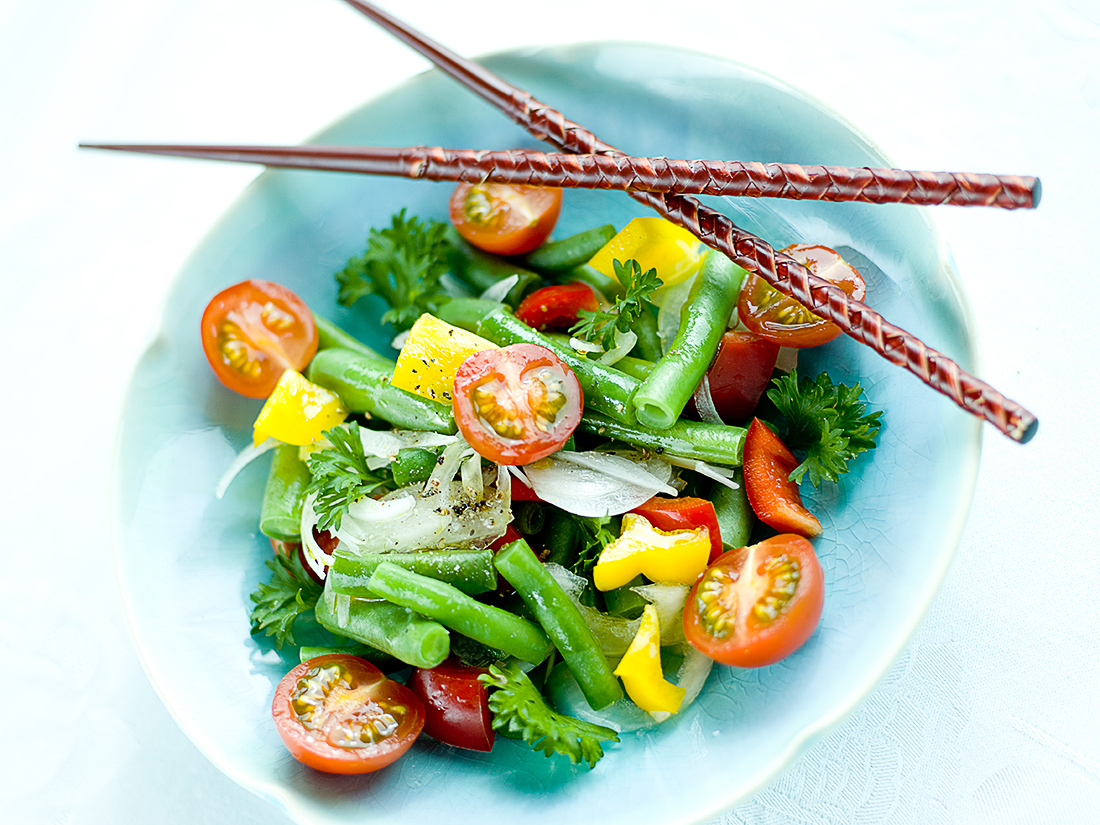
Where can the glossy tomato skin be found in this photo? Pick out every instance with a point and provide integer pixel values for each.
(741, 371)
(358, 700)
(775, 317)
(456, 705)
(756, 605)
(253, 332)
(684, 513)
(775, 499)
(557, 306)
(516, 404)
(502, 218)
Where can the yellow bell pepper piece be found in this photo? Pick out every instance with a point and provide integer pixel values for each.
(661, 556)
(654, 243)
(297, 412)
(432, 355)
(640, 669)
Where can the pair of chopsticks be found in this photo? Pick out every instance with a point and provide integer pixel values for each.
(666, 186)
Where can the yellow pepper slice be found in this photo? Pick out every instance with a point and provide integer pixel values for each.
(432, 355)
(661, 556)
(654, 243)
(297, 412)
(640, 669)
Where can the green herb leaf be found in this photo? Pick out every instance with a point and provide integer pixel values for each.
(340, 475)
(596, 533)
(599, 326)
(403, 266)
(826, 422)
(289, 593)
(520, 712)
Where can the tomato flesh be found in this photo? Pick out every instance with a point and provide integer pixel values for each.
(776, 317)
(502, 218)
(253, 332)
(772, 495)
(456, 705)
(557, 306)
(684, 513)
(339, 714)
(756, 605)
(516, 404)
(741, 371)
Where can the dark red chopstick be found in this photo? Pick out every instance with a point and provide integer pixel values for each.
(603, 171)
(716, 230)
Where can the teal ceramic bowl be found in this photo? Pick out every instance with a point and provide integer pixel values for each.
(187, 561)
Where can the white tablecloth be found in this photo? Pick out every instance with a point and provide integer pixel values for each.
(990, 713)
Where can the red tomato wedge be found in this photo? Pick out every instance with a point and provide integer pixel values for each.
(685, 513)
(340, 714)
(255, 331)
(557, 306)
(516, 404)
(456, 705)
(739, 374)
(767, 312)
(505, 219)
(775, 499)
(758, 604)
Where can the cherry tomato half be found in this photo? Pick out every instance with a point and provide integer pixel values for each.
(776, 317)
(683, 513)
(456, 705)
(557, 306)
(516, 404)
(739, 374)
(255, 331)
(340, 714)
(502, 218)
(773, 496)
(758, 604)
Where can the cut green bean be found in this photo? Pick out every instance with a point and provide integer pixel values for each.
(608, 287)
(385, 626)
(649, 339)
(330, 336)
(703, 320)
(466, 313)
(281, 509)
(413, 465)
(639, 368)
(451, 607)
(561, 538)
(716, 443)
(625, 601)
(568, 252)
(735, 516)
(529, 517)
(471, 571)
(364, 387)
(383, 661)
(562, 621)
(480, 270)
(605, 389)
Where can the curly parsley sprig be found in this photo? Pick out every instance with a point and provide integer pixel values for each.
(826, 422)
(279, 602)
(341, 475)
(599, 326)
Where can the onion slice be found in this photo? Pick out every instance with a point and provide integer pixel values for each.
(243, 459)
(595, 483)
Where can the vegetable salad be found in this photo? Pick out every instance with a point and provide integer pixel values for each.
(573, 490)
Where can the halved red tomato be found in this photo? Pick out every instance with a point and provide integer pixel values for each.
(255, 331)
(557, 306)
(505, 219)
(339, 714)
(683, 513)
(516, 404)
(739, 374)
(776, 317)
(774, 498)
(456, 705)
(758, 604)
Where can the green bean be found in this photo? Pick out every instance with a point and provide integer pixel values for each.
(562, 621)
(639, 368)
(664, 394)
(649, 339)
(413, 465)
(386, 627)
(479, 270)
(471, 571)
(716, 443)
(466, 313)
(608, 287)
(383, 661)
(529, 517)
(331, 336)
(451, 607)
(605, 389)
(625, 601)
(570, 252)
(735, 516)
(281, 510)
(364, 387)
(561, 538)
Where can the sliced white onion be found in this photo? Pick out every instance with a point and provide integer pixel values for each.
(399, 340)
(668, 600)
(375, 511)
(593, 484)
(316, 558)
(618, 466)
(704, 402)
(581, 345)
(243, 459)
(691, 676)
(787, 359)
(500, 289)
(723, 475)
(472, 482)
(670, 301)
(624, 343)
